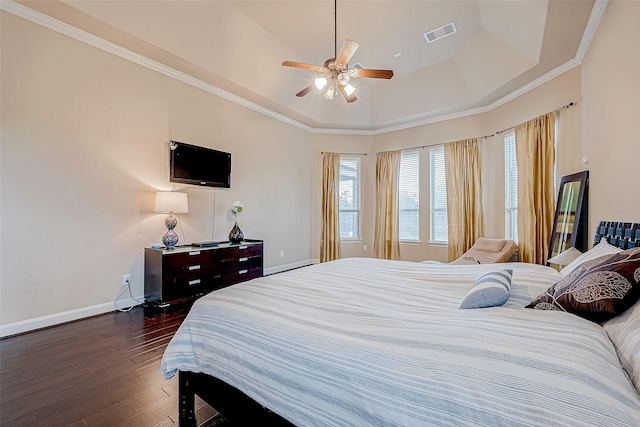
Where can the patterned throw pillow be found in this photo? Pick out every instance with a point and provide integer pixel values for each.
(489, 290)
(598, 289)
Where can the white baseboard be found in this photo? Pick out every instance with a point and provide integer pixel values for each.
(66, 316)
(281, 268)
(123, 303)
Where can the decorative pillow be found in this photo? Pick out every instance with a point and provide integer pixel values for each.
(598, 289)
(624, 333)
(602, 248)
(489, 290)
(489, 245)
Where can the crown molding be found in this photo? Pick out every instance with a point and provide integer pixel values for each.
(404, 123)
(100, 43)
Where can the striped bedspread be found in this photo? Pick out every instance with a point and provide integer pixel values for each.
(367, 342)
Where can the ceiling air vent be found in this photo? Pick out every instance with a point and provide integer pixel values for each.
(440, 33)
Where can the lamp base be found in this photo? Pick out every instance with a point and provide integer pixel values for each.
(170, 238)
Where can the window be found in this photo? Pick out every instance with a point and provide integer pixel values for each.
(439, 231)
(349, 194)
(510, 188)
(408, 196)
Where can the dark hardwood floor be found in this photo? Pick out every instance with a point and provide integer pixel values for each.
(100, 371)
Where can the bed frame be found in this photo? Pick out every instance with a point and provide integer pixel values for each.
(239, 409)
(233, 405)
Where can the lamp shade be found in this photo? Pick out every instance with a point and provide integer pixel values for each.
(566, 257)
(171, 202)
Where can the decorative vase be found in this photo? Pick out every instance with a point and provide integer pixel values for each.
(170, 238)
(236, 235)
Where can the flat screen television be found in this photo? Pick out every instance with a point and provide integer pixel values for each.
(190, 164)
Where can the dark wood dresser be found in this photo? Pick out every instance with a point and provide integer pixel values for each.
(175, 278)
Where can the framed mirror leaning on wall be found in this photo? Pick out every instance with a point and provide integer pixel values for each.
(571, 219)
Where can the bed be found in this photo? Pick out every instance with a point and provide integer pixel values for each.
(367, 342)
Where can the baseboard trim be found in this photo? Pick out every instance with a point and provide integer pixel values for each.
(29, 325)
(285, 267)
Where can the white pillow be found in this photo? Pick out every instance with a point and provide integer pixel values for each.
(623, 332)
(601, 249)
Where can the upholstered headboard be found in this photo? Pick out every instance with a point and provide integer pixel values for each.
(624, 235)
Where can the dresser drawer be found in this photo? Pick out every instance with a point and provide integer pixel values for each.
(242, 251)
(190, 260)
(241, 276)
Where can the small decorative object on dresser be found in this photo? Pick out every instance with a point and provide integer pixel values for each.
(236, 235)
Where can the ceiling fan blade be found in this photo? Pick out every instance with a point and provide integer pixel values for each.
(347, 50)
(303, 65)
(305, 91)
(373, 74)
(349, 98)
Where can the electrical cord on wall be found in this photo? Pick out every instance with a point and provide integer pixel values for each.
(130, 295)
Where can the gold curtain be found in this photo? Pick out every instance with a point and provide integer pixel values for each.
(330, 229)
(386, 242)
(464, 195)
(535, 154)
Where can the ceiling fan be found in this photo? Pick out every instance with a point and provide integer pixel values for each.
(336, 72)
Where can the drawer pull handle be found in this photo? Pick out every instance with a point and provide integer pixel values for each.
(243, 259)
(193, 253)
(242, 247)
(194, 282)
(164, 305)
(242, 271)
(194, 267)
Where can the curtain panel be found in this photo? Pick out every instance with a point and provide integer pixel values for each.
(535, 155)
(464, 195)
(330, 228)
(386, 242)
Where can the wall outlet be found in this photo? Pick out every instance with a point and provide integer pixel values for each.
(364, 248)
(126, 280)
(281, 254)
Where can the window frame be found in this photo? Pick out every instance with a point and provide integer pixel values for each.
(416, 238)
(432, 195)
(510, 191)
(358, 199)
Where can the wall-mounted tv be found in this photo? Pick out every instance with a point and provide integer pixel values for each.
(190, 164)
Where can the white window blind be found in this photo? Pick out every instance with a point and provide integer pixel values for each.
(349, 197)
(438, 181)
(409, 196)
(510, 188)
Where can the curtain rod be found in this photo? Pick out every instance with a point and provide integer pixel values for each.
(440, 143)
(569, 105)
(349, 154)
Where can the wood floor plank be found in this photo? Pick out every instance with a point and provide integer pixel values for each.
(100, 371)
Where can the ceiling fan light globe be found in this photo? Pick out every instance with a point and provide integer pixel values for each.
(344, 78)
(320, 82)
(348, 89)
(329, 92)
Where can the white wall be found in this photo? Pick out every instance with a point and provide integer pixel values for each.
(84, 148)
(611, 115)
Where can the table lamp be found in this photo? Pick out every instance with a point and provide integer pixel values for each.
(566, 257)
(171, 202)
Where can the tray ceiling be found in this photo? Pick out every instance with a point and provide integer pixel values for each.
(238, 46)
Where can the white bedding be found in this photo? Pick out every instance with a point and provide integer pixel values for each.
(360, 342)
